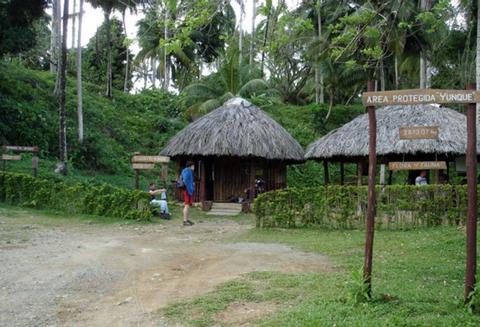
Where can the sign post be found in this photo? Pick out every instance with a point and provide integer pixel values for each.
(425, 96)
(370, 221)
(141, 162)
(471, 163)
(35, 166)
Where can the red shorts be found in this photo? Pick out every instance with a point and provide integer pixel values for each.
(187, 198)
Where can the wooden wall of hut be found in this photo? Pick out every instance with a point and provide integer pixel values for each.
(229, 178)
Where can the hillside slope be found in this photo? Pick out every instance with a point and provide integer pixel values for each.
(115, 129)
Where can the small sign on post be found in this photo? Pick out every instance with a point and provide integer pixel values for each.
(418, 132)
(150, 159)
(11, 157)
(21, 148)
(143, 166)
(417, 165)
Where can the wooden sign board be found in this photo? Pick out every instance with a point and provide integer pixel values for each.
(418, 132)
(417, 165)
(419, 96)
(10, 157)
(143, 166)
(21, 148)
(151, 159)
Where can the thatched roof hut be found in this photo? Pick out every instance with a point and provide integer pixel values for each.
(350, 142)
(233, 145)
(236, 129)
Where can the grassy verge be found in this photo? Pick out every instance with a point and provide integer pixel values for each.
(417, 281)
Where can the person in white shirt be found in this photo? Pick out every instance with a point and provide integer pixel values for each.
(421, 179)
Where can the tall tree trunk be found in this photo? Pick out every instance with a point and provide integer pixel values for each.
(240, 31)
(153, 67)
(425, 71)
(58, 45)
(265, 37)
(166, 63)
(73, 23)
(79, 75)
(252, 41)
(319, 92)
(127, 57)
(62, 105)
(55, 35)
(382, 75)
(108, 93)
(397, 77)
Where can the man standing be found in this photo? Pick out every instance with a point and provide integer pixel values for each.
(187, 177)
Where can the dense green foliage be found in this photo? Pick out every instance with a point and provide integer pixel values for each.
(340, 207)
(95, 57)
(114, 130)
(78, 198)
(17, 24)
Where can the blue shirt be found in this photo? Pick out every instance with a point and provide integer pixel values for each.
(187, 176)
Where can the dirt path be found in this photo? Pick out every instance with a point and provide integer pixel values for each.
(120, 275)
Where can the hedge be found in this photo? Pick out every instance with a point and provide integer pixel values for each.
(78, 198)
(344, 207)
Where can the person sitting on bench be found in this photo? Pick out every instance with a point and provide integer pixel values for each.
(162, 202)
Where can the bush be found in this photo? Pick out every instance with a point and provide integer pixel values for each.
(78, 198)
(344, 207)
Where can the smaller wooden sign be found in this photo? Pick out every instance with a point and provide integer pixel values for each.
(21, 148)
(10, 157)
(417, 165)
(143, 166)
(151, 159)
(418, 132)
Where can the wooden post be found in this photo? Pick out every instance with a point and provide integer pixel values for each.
(448, 171)
(342, 174)
(359, 173)
(471, 165)
(252, 181)
(35, 166)
(137, 179)
(326, 177)
(390, 176)
(203, 184)
(370, 221)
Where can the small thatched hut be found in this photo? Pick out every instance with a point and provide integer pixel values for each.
(349, 143)
(232, 146)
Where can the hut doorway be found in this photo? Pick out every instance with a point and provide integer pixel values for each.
(209, 180)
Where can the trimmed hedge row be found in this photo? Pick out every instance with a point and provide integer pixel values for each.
(344, 207)
(78, 198)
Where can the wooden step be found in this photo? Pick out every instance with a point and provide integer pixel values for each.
(225, 209)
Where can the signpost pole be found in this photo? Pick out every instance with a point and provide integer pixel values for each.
(471, 165)
(35, 166)
(137, 179)
(370, 221)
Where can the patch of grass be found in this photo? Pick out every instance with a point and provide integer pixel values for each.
(417, 281)
(254, 287)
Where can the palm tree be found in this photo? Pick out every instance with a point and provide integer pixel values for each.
(231, 80)
(108, 6)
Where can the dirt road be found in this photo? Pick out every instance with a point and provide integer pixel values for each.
(81, 274)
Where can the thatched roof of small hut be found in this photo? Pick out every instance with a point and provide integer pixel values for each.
(236, 129)
(351, 140)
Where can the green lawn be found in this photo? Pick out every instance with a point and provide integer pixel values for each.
(417, 281)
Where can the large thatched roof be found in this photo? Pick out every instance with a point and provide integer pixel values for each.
(237, 129)
(351, 140)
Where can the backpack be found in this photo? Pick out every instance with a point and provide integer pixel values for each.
(180, 183)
